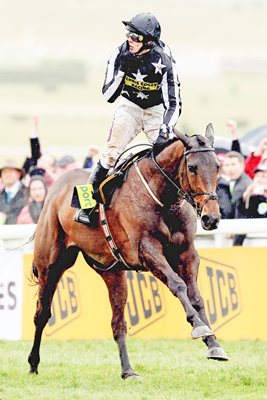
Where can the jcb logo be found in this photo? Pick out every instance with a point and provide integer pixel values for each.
(145, 301)
(66, 305)
(219, 286)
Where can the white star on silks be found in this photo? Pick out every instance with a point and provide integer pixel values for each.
(158, 66)
(139, 77)
(142, 95)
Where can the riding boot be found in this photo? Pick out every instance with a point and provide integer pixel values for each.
(96, 178)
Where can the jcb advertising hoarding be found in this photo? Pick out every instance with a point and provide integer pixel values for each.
(232, 282)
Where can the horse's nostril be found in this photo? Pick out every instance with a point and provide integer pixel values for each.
(210, 222)
(205, 219)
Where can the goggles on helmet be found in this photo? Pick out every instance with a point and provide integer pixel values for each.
(135, 37)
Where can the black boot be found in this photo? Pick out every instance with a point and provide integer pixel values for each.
(86, 216)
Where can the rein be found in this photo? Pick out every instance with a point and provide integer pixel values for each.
(186, 196)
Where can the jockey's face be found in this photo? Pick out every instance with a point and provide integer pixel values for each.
(134, 46)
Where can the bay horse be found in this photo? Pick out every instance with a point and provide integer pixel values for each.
(152, 220)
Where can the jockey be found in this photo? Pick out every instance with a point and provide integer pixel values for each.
(143, 73)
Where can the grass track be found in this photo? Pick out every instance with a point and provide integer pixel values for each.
(170, 369)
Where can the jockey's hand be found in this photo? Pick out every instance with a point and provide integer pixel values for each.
(162, 138)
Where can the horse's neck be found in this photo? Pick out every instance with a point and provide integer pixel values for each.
(170, 158)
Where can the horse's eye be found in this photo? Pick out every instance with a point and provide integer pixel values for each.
(192, 169)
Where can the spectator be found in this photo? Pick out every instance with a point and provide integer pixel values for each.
(253, 203)
(232, 126)
(89, 160)
(35, 147)
(46, 167)
(256, 157)
(232, 183)
(14, 195)
(235, 144)
(65, 164)
(37, 193)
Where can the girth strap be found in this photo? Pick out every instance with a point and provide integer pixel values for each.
(111, 243)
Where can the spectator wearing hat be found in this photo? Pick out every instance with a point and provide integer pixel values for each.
(37, 193)
(46, 167)
(14, 194)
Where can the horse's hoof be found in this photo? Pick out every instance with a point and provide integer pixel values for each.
(131, 376)
(217, 353)
(201, 331)
(135, 377)
(33, 371)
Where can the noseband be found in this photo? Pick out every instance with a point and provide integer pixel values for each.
(189, 197)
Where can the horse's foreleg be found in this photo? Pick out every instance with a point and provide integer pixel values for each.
(117, 289)
(47, 286)
(189, 270)
(151, 254)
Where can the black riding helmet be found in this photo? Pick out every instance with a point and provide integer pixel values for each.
(145, 24)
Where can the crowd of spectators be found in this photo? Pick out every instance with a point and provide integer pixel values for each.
(242, 184)
(23, 188)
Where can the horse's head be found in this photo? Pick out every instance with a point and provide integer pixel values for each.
(198, 174)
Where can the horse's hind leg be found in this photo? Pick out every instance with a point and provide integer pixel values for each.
(117, 288)
(48, 280)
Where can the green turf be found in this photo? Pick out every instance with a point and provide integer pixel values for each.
(170, 369)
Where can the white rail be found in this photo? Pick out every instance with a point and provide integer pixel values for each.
(12, 236)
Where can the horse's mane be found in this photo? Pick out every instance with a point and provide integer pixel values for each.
(199, 138)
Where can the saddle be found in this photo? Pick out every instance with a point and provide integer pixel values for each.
(83, 194)
(118, 176)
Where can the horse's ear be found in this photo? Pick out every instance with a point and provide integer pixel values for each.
(184, 139)
(210, 134)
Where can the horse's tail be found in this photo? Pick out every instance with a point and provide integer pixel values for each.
(31, 238)
(33, 278)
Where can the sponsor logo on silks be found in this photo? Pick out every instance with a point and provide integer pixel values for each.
(219, 285)
(85, 194)
(145, 303)
(66, 305)
(140, 85)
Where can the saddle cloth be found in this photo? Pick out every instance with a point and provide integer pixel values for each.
(83, 194)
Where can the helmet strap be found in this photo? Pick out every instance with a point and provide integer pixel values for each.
(146, 46)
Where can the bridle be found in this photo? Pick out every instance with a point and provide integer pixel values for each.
(189, 197)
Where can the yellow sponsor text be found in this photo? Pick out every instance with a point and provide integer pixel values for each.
(145, 303)
(140, 85)
(85, 194)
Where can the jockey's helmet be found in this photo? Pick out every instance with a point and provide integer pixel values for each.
(145, 24)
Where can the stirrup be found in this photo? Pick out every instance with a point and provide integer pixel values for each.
(86, 216)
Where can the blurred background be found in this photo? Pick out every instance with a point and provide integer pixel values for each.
(53, 56)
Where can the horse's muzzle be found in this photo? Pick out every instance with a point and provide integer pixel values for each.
(210, 222)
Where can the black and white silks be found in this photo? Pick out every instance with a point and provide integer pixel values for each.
(149, 79)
